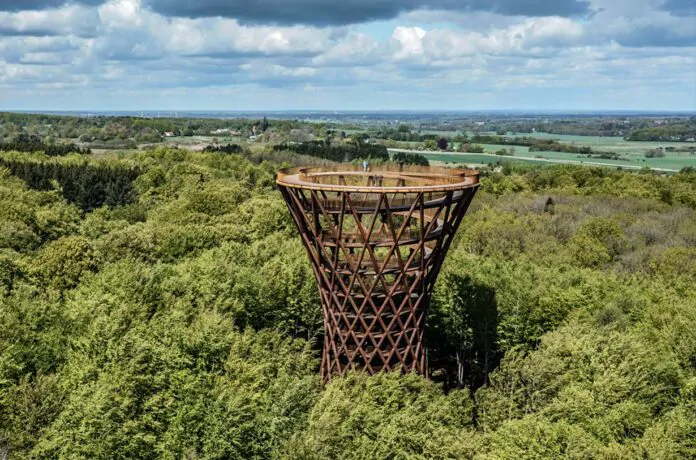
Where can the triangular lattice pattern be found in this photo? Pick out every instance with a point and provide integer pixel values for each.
(376, 257)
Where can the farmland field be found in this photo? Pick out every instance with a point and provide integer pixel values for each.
(200, 142)
(481, 159)
(632, 153)
(611, 144)
(522, 155)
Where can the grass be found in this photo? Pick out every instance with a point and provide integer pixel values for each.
(472, 158)
(632, 153)
(670, 164)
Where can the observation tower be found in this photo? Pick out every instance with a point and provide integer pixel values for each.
(376, 240)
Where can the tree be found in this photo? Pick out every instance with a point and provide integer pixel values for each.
(410, 159)
(385, 416)
(655, 153)
(403, 128)
(429, 145)
(442, 143)
(162, 305)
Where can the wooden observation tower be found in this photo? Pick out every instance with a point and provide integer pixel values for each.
(376, 240)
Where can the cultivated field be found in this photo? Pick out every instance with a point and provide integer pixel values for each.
(632, 153)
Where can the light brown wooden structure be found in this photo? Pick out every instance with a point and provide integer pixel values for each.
(376, 240)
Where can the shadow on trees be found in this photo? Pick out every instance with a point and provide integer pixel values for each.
(88, 186)
(27, 143)
(462, 333)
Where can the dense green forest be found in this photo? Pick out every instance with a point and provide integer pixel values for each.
(681, 131)
(180, 319)
(340, 153)
(32, 143)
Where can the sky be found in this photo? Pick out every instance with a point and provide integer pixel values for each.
(348, 55)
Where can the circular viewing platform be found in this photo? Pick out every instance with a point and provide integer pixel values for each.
(388, 178)
(376, 239)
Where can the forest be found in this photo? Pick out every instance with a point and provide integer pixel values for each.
(340, 153)
(686, 130)
(159, 304)
(634, 128)
(128, 132)
(32, 143)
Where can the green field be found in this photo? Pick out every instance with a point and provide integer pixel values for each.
(611, 144)
(522, 155)
(471, 158)
(632, 153)
(193, 141)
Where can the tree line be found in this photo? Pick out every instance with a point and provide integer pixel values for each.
(410, 159)
(337, 153)
(403, 133)
(87, 185)
(33, 143)
(228, 148)
(680, 132)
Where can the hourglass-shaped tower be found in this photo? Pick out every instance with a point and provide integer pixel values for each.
(376, 239)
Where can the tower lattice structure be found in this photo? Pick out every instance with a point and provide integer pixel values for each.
(376, 240)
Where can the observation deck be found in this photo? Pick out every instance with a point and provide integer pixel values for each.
(376, 240)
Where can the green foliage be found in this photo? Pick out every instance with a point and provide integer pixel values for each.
(126, 131)
(542, 145)
(679, 131)
(88, 185)
(386, 416)
(410, 159)
(680, 188)
(61, 264)
(655, 153)
(344, 152)
(199, 390)
(10, 272)
(430, 144)
(598, 241)
(470, 148)
(229, 148)
(26, 143)
(182, 320)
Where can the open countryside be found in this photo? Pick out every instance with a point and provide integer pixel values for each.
(677, 155)
(354, 230)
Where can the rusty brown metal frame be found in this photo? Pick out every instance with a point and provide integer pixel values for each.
(374, 296)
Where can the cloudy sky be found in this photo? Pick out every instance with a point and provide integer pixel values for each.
(347, 54)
